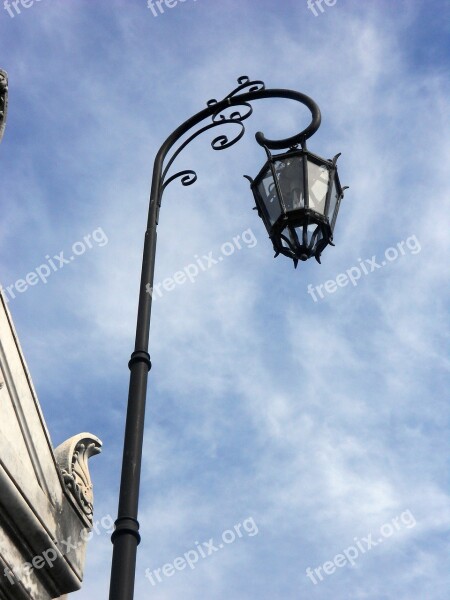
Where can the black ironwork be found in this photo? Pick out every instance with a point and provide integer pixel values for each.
(126, 535)
(299, 223)
(3, 101)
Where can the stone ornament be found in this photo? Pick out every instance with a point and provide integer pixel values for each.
(72, 458)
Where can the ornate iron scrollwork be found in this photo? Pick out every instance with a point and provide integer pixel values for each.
(218, 118)
(233, 110)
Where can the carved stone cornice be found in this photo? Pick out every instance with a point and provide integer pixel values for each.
(45, 495)
(3, 101)
(72, 458)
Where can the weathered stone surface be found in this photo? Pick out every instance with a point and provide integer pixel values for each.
(46, 497)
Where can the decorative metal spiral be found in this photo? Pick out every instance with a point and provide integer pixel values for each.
(244, 84)
(234, 109)
(239, 113)
(188, 177)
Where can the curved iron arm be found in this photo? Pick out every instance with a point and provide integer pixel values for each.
(215, 109)
(126, 534)
(237, 98)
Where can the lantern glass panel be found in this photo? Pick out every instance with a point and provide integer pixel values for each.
(290, 179)
(315, 235)
(287, 233)
(269, 195)
(318, 180)
(333, 201)
(303, 239)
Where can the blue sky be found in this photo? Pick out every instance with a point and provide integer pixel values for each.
(321, 422)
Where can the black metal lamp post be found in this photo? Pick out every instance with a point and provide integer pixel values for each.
(297, 195)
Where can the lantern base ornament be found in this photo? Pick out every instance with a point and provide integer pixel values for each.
(304, 239)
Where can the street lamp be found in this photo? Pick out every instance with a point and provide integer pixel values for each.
(297, 195)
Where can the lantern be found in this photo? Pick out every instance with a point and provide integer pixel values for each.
(298, 195)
